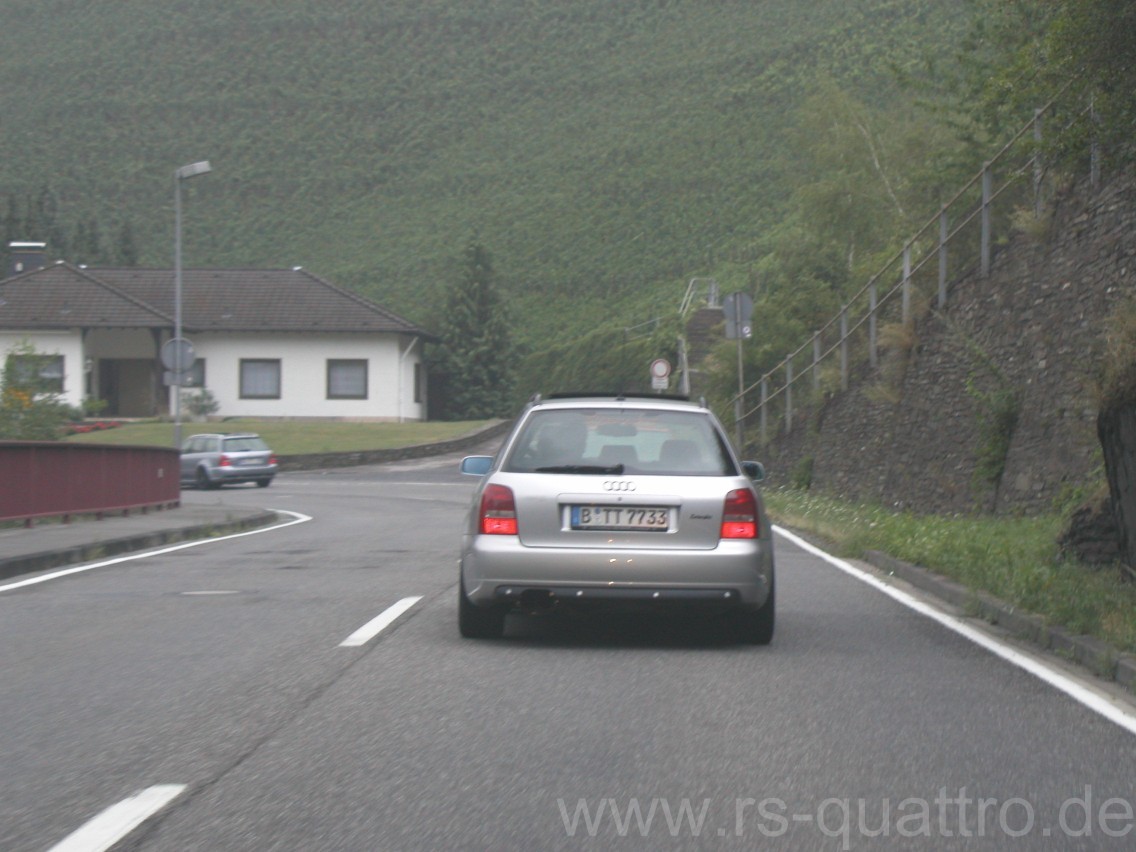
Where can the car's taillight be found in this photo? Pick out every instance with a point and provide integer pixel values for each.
(272, 460)
(739, 515)
(225, 461)
(498, 511)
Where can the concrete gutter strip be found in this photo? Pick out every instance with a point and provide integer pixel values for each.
(1102, 659)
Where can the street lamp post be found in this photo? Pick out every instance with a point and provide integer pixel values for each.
(180, 174)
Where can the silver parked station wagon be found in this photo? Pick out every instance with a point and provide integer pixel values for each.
(620, 502)
(210, 461)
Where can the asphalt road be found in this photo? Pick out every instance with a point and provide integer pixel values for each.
(245, 688)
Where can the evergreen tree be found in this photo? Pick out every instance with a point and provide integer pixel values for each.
(478, 356)
(87, 244)
(126, 249)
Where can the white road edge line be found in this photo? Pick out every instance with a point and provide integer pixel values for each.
(297, 518)
(379, 623)
(117, 821)
(1095, 700)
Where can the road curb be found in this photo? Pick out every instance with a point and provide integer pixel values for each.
(1102, 659)
(322, 461)
(92, 551)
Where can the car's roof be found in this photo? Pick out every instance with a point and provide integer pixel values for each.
(224, 435)
(628, 400)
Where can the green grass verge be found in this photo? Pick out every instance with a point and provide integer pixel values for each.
(1015, 559)
(295, 437)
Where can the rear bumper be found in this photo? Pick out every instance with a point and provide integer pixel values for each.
(241, 474)
(245, 472)
(499, 570)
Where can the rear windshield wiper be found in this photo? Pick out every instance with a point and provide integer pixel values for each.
(580, 468)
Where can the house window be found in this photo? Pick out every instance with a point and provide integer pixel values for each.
(41, 373)
(260, 378)
(347, 379)
(195, 375)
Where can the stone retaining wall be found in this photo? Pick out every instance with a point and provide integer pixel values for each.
(1036, 327)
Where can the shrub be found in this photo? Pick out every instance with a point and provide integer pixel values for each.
(200, 405)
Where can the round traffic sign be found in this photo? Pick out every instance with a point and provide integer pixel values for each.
(660, 368)
(178, 352)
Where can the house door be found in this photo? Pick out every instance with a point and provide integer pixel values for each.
(127, 385)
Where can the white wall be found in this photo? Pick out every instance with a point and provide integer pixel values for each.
(390, 369)
(303, 374)
(69, 344)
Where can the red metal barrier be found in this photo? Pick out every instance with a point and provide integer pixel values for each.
(45, 478)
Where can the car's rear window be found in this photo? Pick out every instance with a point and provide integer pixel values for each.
(628, 440)
(244, 444)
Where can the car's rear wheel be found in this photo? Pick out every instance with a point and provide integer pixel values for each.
(476, 622)
(264, 483)
(756, 628)
(204, 483)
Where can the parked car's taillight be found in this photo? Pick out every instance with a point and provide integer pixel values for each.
(739, 515)
(498, 511)
(225, 461)
(272, 460)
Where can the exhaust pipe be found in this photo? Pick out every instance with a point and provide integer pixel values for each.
(535, 601)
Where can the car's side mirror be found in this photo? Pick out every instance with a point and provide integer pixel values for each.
(476, 465)
(754, 470)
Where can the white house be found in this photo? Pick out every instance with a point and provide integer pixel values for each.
(268, 343)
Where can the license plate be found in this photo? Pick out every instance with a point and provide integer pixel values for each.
(640, 518)
(251, 462)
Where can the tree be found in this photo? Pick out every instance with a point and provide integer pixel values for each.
(126, 249)
(86, 245)
(477, 362)
(31, 408)
(37, 219)
(1094, 41)
(1023, 53)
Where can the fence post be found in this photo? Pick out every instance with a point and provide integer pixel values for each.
(1094, 144)
(944, 236)
(907, 284)
(1037, 172)
(844, 348)
(816, 360)
(789, 394)
(987, 191)
(873, 334)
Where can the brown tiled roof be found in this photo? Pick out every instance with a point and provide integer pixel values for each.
(212, 300)
(62, 296)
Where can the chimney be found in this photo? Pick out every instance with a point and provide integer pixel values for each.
(24, 257)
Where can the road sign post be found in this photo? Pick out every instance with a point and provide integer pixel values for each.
(738, 308)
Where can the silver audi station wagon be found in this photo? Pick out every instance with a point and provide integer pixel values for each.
(210, 461)
(619, 502)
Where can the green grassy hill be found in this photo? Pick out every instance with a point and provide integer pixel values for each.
(604, 152)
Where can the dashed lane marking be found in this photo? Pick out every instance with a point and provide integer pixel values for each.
(379, 623)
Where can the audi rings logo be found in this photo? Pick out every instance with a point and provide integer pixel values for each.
(618, 485)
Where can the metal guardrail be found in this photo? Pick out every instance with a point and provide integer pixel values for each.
(57, 479)
(863, 311)
(694, 288)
